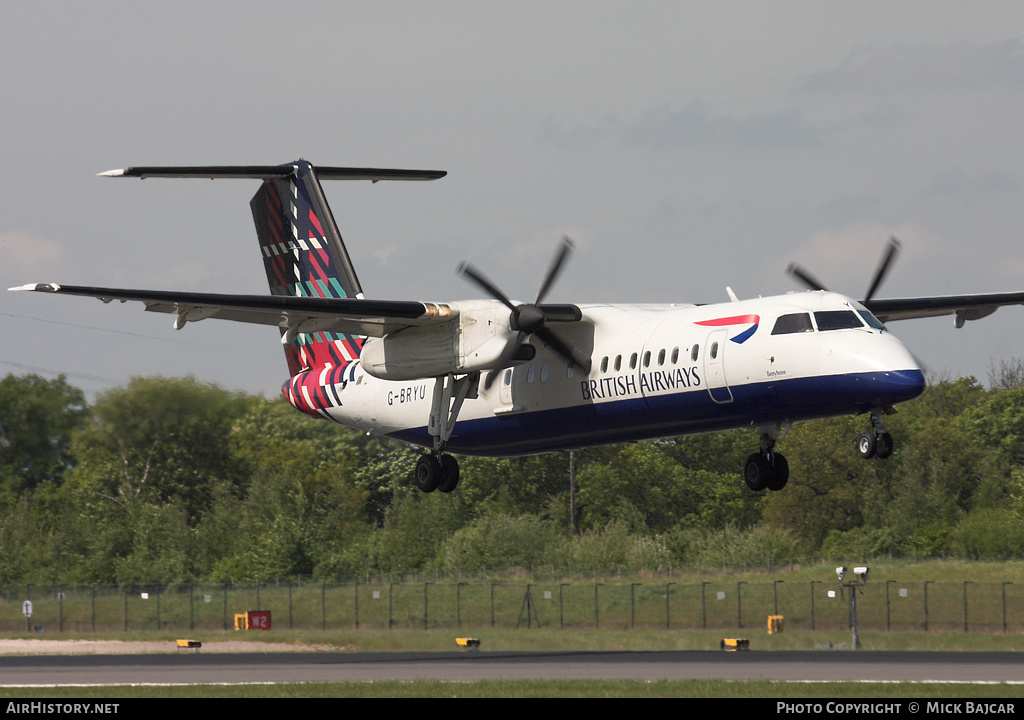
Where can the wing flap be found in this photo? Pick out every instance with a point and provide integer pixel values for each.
(373, 318)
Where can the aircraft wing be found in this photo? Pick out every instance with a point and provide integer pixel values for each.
(354, 316)
(964, 307)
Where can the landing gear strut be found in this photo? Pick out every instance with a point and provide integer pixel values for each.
(767, 468)
(436, 470)
(875, 442)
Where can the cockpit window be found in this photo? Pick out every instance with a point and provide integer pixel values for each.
(871, 320)
(837, 320)
(795, 323)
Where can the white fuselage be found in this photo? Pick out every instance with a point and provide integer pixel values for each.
(658, 370)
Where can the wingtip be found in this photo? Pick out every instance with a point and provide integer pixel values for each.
(112, 173)
(36, 287)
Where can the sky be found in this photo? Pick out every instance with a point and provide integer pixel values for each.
(684, 146)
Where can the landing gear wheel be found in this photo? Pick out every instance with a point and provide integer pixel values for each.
(867, 446)
(449, 474)
(780, 472)
(883, 445)
(428, 473)
(757, 472)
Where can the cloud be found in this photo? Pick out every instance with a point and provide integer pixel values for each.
(23, 250)
(956, 182)
(899, 68)
(663, 127)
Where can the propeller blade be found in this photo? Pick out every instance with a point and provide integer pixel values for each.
(883, 268)
(805, 277)
(556, 268)
(467, 270)
(568, 352)
(507, 353)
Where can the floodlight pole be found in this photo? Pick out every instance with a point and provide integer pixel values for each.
(854, 585)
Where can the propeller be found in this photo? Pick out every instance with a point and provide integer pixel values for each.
(892, 249)
(532, 318)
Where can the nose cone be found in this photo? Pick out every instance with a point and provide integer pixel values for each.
(889, 368)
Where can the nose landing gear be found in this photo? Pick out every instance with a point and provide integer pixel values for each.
(875, 442)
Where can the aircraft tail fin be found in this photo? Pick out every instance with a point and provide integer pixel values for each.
(303, 252)
(304, 256)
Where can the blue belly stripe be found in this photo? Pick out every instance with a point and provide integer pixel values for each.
(683, 413)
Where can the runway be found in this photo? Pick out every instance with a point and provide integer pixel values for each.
(242, 668)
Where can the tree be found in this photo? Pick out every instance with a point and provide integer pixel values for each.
(160, 439)
(37, 419)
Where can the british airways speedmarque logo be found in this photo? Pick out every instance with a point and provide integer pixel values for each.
(752, 320)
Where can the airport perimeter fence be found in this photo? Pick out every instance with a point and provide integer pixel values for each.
(719, 604)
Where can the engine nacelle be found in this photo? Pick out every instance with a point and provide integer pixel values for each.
(470, 341)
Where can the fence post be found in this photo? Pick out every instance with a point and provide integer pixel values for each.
(966, 583)
(739, 604)
(492, 603)
(1004, 605)
(703, 606)
(926, 583)
(425, 608)
(888, 617)
(632, 604)
(668, 619)
(812, 601)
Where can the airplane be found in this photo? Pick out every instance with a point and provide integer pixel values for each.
(497, 377)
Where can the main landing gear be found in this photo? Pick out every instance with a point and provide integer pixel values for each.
(876, 442)
(767, 469)
(437, 470)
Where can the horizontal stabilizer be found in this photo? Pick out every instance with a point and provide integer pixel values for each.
(267, 172)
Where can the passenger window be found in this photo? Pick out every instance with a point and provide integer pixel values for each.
(647, 359)
(632, 361)
(693, 353)
(714, 350)
(543, 373)
(531, 373)
(795, 323)
(675, 355)
(570, 370)
(604, 364)
(508, 377)
(837, 320)
(661, 357)
(618, 363)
